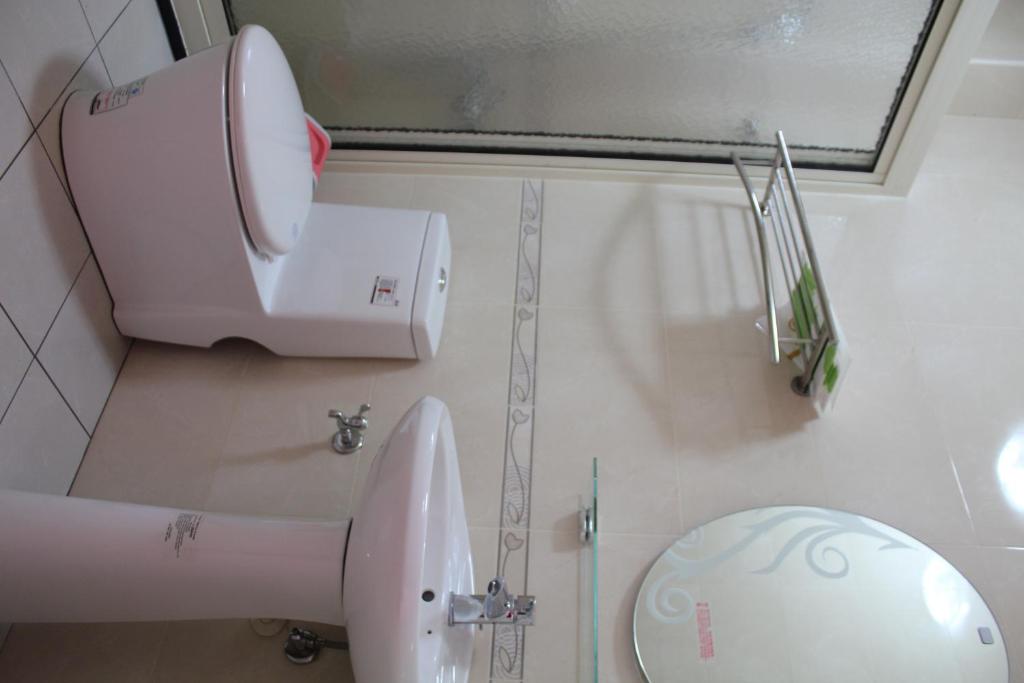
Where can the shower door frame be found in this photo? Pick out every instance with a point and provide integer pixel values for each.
(194, 25)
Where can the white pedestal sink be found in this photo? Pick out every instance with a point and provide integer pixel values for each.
(388, 574)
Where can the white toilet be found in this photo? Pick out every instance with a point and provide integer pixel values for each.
(195, 187)
(390, 574)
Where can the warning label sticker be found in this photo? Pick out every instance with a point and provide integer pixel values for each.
(385, 291)
(704, 634)
(183, 529)
(114, 98)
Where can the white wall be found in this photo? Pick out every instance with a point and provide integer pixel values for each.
(59, 349)
(994, 82)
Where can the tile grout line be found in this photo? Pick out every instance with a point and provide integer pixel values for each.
(507, 642)
(67, 295)
(63, 398)
(124, 361)
(65, 189)
(96, 48)
(10, 403)
(35, 134)
(65, 185)
(36, 359)
(27, 116)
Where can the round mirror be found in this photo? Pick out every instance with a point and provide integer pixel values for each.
(811, 594)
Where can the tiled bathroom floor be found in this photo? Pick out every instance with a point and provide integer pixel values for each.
(635, 345)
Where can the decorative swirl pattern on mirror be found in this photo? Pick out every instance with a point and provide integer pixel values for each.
(671, 603)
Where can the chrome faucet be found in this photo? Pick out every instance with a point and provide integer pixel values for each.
(497, 606)
(349, 438)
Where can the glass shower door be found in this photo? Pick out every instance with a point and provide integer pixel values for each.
(655, 79)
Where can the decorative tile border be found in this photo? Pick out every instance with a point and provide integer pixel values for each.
(508, 645)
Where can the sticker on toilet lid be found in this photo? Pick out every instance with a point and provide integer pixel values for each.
(105, 100)
(385, 291)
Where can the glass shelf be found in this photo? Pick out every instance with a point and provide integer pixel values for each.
(588, 585)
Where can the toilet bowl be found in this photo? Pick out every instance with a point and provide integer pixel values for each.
(195, 187)
(78, 560)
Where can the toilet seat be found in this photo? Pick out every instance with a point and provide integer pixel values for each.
(269, 143)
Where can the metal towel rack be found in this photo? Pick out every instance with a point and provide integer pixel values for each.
(812, 324)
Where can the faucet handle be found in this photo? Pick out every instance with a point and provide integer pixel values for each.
(497, 601)
(357, 421)
(495, 586)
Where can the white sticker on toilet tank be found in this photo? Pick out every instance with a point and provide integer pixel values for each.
(182, 530)
(385, 291)
(105, 100)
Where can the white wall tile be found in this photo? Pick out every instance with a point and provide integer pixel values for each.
(991, 89)
(42, 44)
(136, 44)
(92, 76)
(15, 128)
(14, 360)
(101, 14)
(41, 442)
(84, 350)
(42, 246)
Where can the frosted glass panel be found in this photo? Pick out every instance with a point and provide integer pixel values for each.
(653, 78)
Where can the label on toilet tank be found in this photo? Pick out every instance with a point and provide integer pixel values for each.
(105, 100)
(385, 291)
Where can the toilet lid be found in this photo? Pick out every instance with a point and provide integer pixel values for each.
(269, 142)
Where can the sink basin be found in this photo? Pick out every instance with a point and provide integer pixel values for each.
(408, 550)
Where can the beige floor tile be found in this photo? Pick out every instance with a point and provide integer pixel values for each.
(165, 425)
(598, 246)
(81, 653)
(553, 647)
(754, 468)
(998, 575)
(709, 268)
(883, 451)
(623, 562)
(972, 378)
(229, 650)
(483, 222)
(602, 392)
(853, 237)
